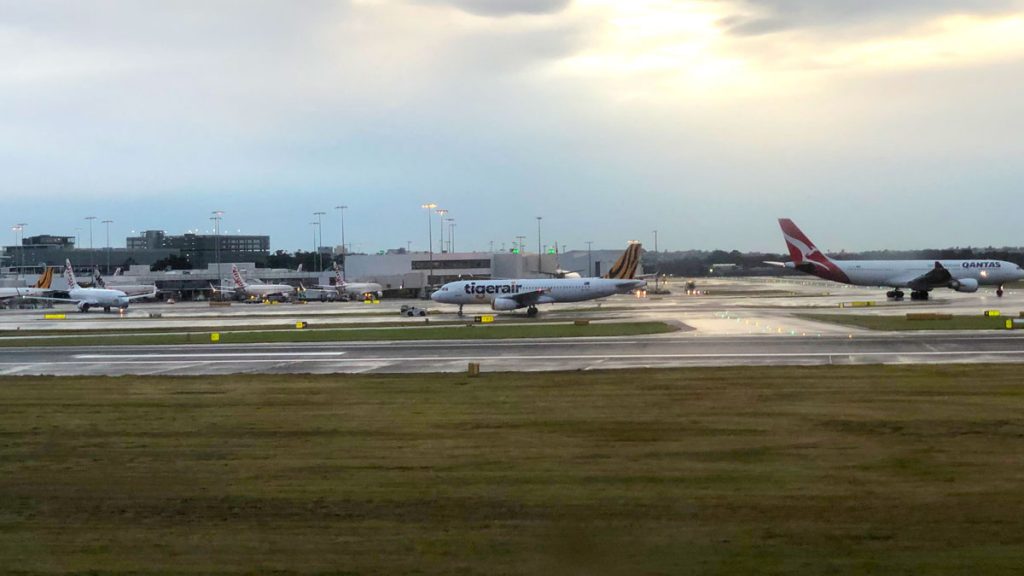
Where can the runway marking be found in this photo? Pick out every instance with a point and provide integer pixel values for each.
(209, 355)
(251, 358)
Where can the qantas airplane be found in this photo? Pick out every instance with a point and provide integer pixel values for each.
(529, 293)
(920, 276)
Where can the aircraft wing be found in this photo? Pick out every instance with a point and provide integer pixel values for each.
(146, 295)
(934, 278)
(528, 298)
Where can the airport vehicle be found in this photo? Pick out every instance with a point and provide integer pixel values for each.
(41, 288)
(530, 292)
(258, 291)
(412, 311)
(123, 284)
(920, 276)
(345, 290)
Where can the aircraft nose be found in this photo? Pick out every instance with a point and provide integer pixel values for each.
(436, 296)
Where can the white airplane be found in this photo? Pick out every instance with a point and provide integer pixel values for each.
(529, 293)
(41, 288)
(921, 276)
(86, 298)
(354, 289)
(123, 283)
(261, 291)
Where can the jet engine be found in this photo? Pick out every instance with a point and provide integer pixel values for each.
(964, 285)
(504, 304)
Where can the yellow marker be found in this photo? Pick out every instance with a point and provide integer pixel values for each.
(215, 337)
(487, 319)
(54, 316)
(991, 313)
(300, 325)
(376, 301)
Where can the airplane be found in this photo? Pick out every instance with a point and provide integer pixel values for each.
(86, 298)
(531, 292)
(260, 291)
(920, 276)
(122, 283)
(41, 288)
(354, 289)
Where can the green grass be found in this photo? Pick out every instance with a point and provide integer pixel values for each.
(893, 322)
(828, 470)
(449, 332)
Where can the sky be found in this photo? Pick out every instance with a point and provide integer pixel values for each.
(873, 124)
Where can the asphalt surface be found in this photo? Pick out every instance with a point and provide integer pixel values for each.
(516, 355)
(748, 321)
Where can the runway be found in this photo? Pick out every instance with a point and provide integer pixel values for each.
(514, 355)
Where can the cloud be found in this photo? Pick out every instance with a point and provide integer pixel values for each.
(756, 17)
(499, 8)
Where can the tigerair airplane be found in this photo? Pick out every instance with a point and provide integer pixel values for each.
(920, 276)
(41, 288)
(529, 293)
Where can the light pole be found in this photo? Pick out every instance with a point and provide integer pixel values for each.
(341, 210)
(539, 218)
(656, 259)
(107, 223)
(217, 215)
(590, 265)
(320, 230)
(441, 213)
(20, 243)
(92, 257)
(312, 226)
(451, 235)
(429, 206)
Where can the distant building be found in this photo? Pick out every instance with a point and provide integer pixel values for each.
(201, 249)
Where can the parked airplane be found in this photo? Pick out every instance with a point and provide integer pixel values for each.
(123, 283)
(529, 293)
(261, 291)
(86, 298)
(921, 276)
(354, 289)
(41, 288)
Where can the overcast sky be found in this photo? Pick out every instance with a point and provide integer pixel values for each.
(873, 124)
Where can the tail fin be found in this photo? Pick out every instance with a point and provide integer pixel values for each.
(625, 267)
(237, 276)
(800, 246)
(299, 269)
(118, 271)
(45, 279)
(806, 256)
(97, 279)
(69, 275)
(338, 280)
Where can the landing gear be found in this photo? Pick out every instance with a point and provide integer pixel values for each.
(531, 311)
(895, 294)
(999, 291)
(83, 307)
(106, 309)
(460, 310)
(919, 295)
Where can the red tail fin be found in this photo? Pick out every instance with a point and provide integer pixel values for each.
(800, 246)
(806, 256)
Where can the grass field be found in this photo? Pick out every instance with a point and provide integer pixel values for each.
(894, 322)
(829, 470)
(461, 331)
